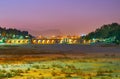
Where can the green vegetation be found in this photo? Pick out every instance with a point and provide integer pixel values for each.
(64, 68)
(13, 34)
(108, 33)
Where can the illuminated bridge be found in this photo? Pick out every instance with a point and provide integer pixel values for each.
(42, 41)
(65, 40)
(18, 41)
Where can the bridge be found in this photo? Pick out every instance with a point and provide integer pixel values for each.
(49, 41)
(55, 41)
(43, 41)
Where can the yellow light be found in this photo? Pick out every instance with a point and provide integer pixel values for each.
(13, 41)
(53, 41)
(89, 41)
(9, 41)
(26, 41)
(43, 42)
(21, 41)
(75, 41)
(84, 41)
(70, 41)
(34, 41)
(48, 41)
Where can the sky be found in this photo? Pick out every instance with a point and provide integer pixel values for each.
(70, 17)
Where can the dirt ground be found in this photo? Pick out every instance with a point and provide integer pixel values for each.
(36, 51)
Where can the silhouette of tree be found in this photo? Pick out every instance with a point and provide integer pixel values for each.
(106, 31)
(11, 33)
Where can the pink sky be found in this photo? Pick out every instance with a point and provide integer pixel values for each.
(68, 16)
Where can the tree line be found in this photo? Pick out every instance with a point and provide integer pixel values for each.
(104, 32)
(11, 33)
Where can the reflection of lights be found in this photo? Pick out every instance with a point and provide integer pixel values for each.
(75, 41)
(34, 41)
(84, 41)
(89, 41)
(39, 41)
(8, 41)
(13, 41)
(48, 41)
(53, 41)
(61, 41)
(17, 41)
(70, 41)
(26, 41)
(22, 41)
(43, 42)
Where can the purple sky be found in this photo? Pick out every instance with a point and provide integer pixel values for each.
(67, 16)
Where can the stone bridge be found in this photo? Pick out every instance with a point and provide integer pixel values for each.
(48, 41)
(18, 41)
(55, 41)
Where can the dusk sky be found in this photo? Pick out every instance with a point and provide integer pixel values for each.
(66, 16)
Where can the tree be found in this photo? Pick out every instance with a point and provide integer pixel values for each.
(12, 33)
(106, 31)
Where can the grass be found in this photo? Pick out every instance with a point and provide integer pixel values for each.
(63, 68)
(17, 63)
